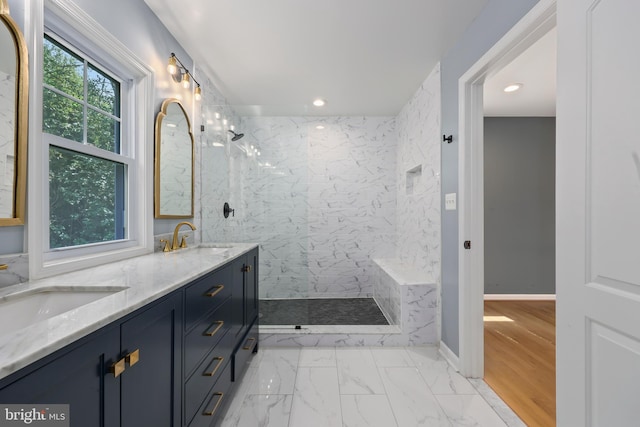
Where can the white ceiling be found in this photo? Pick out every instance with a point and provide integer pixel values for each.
(536, 70)
(365, 57)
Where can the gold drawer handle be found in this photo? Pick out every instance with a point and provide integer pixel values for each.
(133, 358)
(246, 269)
(215, 408)
(4, 266)
(117, 368)
(247, 346)
(212, 333)
(212, 373)
(216, 292)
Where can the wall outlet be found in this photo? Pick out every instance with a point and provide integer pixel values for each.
(450, 202)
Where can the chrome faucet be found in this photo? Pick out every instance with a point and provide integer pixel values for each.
(183, 244)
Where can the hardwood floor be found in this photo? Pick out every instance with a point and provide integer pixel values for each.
(519, 357)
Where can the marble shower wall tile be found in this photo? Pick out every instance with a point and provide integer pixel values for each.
(352, 201)
(275, 199)
(324, 202)
(419, 143)
(321, 202)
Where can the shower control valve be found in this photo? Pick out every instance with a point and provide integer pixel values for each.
(227, 210)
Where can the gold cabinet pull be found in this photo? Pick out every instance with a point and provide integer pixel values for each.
(218, 288)
(246, 268)
(3, 266)
(212, 333)
(247, 344)
(215, 408)
(117, 368)
(133, 357)
(212, 373)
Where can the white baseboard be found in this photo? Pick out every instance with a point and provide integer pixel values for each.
(449, 356)
(530, 297)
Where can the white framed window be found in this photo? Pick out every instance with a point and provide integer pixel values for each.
(90, 181)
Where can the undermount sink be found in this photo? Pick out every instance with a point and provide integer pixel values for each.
(217, 248)
(23, 309)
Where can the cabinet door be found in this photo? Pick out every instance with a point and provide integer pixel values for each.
(150, 389)
(251, 288)
(238, 266)
(77, 375)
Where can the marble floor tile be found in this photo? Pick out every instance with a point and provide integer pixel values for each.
(272, 410)
(469, 411)
(367, 411)
(278, 354)
(443, 379)
(498, 405)
(362, 386)
(412, 402)
(316, 401)
(310, 357)
(275, 372)
(245, 385)
(425, 355)
(359, 378)
(391, 356)
(354, 354)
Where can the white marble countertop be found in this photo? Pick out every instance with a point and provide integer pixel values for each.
(147, 278)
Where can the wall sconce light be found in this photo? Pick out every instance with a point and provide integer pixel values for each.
(181, 75)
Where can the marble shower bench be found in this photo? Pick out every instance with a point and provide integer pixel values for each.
(408, 298)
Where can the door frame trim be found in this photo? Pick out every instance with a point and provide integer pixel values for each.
(536, 23)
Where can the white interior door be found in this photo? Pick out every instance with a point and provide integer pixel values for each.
(598, 213)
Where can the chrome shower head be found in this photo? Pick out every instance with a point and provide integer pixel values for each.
(236, 136)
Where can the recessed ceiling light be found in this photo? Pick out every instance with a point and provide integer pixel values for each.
(319, 127)
(319, 102)
(513, 87)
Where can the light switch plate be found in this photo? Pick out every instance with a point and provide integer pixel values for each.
(450, 202)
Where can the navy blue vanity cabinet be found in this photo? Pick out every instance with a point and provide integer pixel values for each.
(125, 374)
(251, 288)
(210, 361)
(210, 336)
(77, 375)
(174, 362)
(150, 386)
(248, 343)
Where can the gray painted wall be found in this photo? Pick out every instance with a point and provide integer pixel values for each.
(519, 205)
(492, 23)
(136, 26)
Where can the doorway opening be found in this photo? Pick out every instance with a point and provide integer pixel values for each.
(532, 28)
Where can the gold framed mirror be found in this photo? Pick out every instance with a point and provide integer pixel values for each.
(14, 85)
(174, 160)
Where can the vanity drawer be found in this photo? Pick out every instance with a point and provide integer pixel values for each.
(215, 404)
(207, 374)
(242, 356)
(205, 335)
(206, 294)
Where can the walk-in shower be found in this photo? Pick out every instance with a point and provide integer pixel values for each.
(318, 194)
